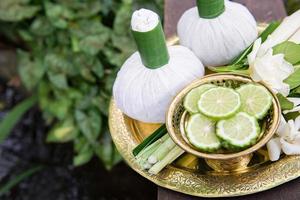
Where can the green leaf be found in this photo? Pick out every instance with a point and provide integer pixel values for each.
(17, 10)
(84, 9)
(92, 44)
(285, 103)
(122, 20)
(84, 28)
(115, 57)
(64, 131)
(81, 144)
(294, 79)
(98, 68)
(58, 14)
(84, 151)
(102, 103)
(87, 75)
(41, 27)
(90, 63)
(58, 80)
(83, 158)
(229, 68)
(121, 36)
(60, 62)
(295, 92)
(56, 105)
(19, 178)
(90, 125)
(12, 118)
(31, 70)
(290, 50)
(107, 152)
(291, 116)
(26, 35)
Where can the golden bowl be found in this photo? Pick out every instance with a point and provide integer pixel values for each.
(176, 121)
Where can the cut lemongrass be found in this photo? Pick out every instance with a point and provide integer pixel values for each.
(142, 157)
(169, 158)
(161, 131)
(161, 151)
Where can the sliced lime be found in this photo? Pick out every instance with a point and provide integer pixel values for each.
(256, 100)
(192, 98)
(201, 133)
(239, 131)
(219, 102)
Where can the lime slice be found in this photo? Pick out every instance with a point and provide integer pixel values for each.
(192, 98)
(239, 131)
(256, 100)
(219, 102)
(201, 133)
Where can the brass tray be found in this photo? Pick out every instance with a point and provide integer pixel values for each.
(191, 175)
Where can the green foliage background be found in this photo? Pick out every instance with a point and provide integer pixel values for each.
(73, 49)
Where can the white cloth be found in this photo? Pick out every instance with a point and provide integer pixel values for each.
(145, 94)
(144, 20)
(218, 41)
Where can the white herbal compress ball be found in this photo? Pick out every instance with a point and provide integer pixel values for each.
(217, 31)
(151, 77)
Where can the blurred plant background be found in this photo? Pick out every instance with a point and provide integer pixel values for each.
(67, 53)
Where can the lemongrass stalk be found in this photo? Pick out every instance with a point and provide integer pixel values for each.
(296, 37)
(143, 156)
(151, 148)
(162, 151)
(172, 155)
(158, 133)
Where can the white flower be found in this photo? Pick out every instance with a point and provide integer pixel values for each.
(287, 139)
(270, 69)
(287, 30)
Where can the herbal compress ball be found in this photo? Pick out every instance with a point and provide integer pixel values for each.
(151, 77)
(217, 31)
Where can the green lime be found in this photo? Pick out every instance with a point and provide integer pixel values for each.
(239, 131)
(201, 133)
(192, 98)
(219, 102)
(256, 100)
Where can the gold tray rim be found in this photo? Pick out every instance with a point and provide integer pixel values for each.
(209, 185)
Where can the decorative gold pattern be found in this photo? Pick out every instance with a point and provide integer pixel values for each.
(192, 181)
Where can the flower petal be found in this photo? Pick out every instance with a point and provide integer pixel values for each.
(290, 148)
(274, 149)
(296, 37)
(252, 56)
(297, 123)
(282, 128)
